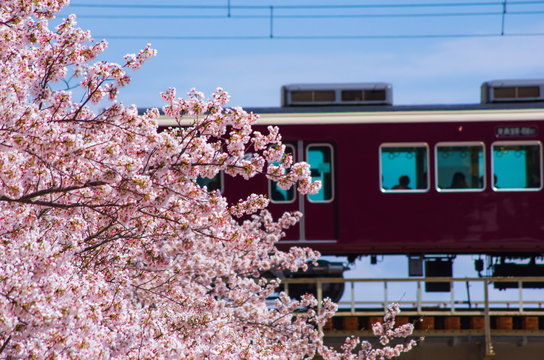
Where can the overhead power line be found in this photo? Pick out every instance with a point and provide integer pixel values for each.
(498, 8)
(303, 16)
(314, 37)
(308, 7)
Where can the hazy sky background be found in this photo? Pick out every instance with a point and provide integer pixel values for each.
(433, 52)
(437, 54)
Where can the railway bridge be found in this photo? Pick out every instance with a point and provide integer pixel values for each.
(470, 318)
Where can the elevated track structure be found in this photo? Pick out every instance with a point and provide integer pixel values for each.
(474, 319)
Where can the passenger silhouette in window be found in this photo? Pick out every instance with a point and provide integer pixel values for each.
(404, 180)
(458, 181)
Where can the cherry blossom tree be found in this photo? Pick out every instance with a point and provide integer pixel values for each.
(109, 247)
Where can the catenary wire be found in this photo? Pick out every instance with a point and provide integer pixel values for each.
(308, 7)
(313, 37)
(274, 15)
(102, 16)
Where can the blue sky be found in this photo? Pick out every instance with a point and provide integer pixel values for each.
(436, 54)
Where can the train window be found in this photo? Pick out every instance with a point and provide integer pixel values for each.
(277, 194)
(214, 183)
(516, 166)
(403, 167)
(460, 167)
(320, 156)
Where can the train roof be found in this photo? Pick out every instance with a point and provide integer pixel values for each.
(343, 86)
(397, 108)
(392, 114)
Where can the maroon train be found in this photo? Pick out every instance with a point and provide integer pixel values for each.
(414, 180)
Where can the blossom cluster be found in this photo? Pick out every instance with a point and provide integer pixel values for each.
(355, 349)
(110, 248)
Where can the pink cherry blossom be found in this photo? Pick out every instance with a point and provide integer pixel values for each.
(110, 248)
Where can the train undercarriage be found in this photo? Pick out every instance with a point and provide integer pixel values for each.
(426, 266)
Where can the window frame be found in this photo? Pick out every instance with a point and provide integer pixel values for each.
(460, 144)
(294, 186)
(517, 143)
(333, 193)
(401, 145)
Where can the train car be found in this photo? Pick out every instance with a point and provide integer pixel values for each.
(414, 180)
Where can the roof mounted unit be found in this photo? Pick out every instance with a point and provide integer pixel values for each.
(498, 91)
(337, 94)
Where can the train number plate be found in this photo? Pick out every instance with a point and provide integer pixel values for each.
(516, 131)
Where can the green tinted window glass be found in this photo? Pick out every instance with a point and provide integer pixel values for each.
(215, 183)
(516, 166)
(276, 193)
(460, 167)
(321, 167)
(403, 167)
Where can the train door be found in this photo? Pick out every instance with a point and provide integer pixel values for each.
(285, 200)
(319, 222)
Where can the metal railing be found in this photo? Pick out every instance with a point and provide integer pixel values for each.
(367, 296)
(370, 297)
